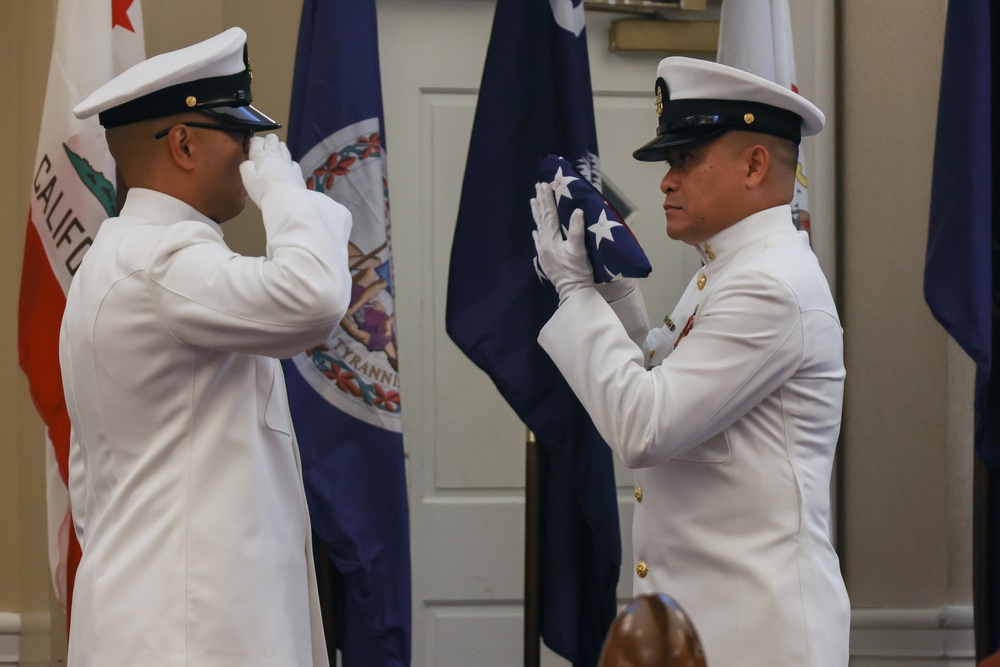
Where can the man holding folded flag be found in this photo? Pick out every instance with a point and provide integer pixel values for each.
(729, 414)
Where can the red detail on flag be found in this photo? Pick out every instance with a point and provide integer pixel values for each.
(119, 14)
(387, 400)
(344, 379)
(371, 144)
(40, 310)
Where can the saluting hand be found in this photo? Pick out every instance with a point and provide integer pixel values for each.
(269, 165)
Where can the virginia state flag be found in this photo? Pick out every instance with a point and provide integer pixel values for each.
(536, 98)
(72, 192)
(344, 395)
(962, 274)
(756, 36)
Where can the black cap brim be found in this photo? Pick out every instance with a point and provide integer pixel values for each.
(656, 150)
(245, 115)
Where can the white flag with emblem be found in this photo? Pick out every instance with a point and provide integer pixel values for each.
(756, 36)
(72, 192)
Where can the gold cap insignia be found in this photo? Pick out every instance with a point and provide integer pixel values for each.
(191, 100)
(250, 70)
(659, 101)
(748, 118)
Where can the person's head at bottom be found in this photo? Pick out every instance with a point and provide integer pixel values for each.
(652, 631)
(181, 122)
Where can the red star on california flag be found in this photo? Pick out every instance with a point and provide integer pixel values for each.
(119, 14)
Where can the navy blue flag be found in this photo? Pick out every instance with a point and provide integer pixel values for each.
(612, 248)
(961, 274)
(344, 395)
(536, 98)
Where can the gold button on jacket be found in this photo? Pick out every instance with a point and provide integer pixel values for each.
(641, 569)
(638, 494)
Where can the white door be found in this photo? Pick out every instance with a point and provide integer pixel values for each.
(466, 446)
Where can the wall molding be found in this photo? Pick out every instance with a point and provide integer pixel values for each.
(10, 637)
(935, 636)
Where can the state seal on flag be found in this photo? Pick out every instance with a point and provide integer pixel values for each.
(357, 368)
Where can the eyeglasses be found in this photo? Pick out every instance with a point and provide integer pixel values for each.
(235, 129)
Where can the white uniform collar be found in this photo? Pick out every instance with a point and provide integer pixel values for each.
(751, 229)
(154, 205)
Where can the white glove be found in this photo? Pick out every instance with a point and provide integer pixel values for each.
(564, 262)
(269, 164)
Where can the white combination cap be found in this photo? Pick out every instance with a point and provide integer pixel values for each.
(697, 99)
(212, 76)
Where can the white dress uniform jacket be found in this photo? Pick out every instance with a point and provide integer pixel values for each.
(731, 434)
(185, 479)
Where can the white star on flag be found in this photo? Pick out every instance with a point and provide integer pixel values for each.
(614, 277)
(602, 228)
(560, 185)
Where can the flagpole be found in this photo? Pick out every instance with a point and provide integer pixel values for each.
(532, 551)
(981, 573)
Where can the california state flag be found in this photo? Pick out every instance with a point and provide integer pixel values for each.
(756, 36)
(72, 192)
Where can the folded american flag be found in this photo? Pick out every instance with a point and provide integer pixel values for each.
(613, 249)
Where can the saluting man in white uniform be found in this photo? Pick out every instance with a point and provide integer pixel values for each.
(185, 478)
(729, 414)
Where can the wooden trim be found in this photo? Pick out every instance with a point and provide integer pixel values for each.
(10, 638)
(933, 636)
(657, 36)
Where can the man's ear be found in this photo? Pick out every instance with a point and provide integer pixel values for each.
(180, 142)
(758, 162)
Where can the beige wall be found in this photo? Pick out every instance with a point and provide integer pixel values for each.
(906, 490)
(906, 435)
